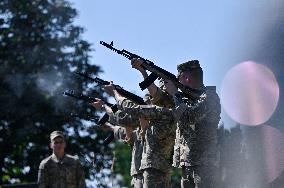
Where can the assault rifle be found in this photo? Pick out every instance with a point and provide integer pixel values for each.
(156, 72)
(108, 139)
(89, 99)
(119, 89)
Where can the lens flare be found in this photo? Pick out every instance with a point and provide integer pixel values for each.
(249, 93)
(273, 141)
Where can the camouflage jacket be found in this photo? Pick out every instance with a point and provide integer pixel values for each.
(61, 174)
(136, 145)
(159, 136)
(196, 132)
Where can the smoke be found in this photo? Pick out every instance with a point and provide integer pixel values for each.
(52, 84)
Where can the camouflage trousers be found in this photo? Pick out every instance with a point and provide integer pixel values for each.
(198, 177)
(153, 178)
(137, 180)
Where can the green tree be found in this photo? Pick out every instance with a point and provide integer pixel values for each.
(40, 49)
(122, 163)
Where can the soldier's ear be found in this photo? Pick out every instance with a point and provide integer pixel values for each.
(50, 145)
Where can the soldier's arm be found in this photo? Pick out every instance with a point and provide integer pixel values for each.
(198, 110)
(161, 98)
(124, 102)
(80, 176)
(123, 119)
(119, 133)
(152, 112)
(136, 63)
(42, 176)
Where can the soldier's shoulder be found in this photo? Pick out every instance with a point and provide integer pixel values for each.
(44, 162)
(210, 87)
(211, 90)
(71, 158)
(212, 95)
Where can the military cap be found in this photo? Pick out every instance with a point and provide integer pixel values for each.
(193, 64)
(55, 134)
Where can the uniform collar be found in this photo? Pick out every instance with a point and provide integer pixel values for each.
(56, 159)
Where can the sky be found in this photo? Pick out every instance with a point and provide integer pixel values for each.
(219, 33)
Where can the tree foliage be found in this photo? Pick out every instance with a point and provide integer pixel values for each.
(40, 49)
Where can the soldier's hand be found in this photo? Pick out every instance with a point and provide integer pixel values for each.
(109, 89)
(107, 127)
(144, 124)
(128, 131)
(136, 64)
(108, 110)
(98, 104)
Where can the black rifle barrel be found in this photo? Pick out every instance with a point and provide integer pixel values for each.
(123, 92)
(83, 97)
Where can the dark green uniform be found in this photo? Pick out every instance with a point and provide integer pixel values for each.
(65, 173)
(158, 143)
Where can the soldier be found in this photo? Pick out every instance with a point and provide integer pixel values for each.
(132, 138)
(129, 136)
(135, 142)
(159, 134)
(60, 170)
(195, 149)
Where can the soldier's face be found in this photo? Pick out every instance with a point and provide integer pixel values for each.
(185, 78)
(164, 84)
(168, 86)
(58, 145)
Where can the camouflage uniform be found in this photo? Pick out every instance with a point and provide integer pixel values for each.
(195, 149)
(54, 173)
(196, 142)
(136, 144)
(158, 142)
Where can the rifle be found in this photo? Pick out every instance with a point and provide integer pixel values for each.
(108, 139)
(88, 99)
(119, 89)
(156, 72)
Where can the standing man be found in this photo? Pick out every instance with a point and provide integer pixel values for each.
(158, 140)
(195, 150)
(60, 170)
(124, 131)
(132, 138)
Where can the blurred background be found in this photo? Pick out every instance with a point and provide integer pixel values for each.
(43, 43)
